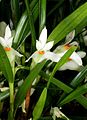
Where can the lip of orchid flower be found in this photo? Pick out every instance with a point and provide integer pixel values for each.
(43, 49)
(6, 42)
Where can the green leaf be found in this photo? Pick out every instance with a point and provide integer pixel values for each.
(40, 105)
(75, 82)
(73, 95)
(79, 78)
(67, 89)
(62, 61)
(4, 95)
(23, 28)
(31, 23)
(42, 14)
(5, 65)
(20, 96)
(15, 11)
(69, 23)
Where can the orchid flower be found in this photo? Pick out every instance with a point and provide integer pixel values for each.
(43, 49)
(56, 113)
(6, 42)
(75, 60)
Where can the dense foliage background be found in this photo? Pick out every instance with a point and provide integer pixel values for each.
(66, 89)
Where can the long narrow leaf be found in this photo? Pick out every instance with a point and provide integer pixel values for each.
(31, 24)
(67, 89)
(42, 14)
(69, 23)
(40, 105)
(76, 81)
(20, 96)
(15, 11)
(79, 78)
(74, 94)
(5, 65)
(4, 95)
(23, 28)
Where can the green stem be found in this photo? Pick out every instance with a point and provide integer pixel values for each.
(23, 51)
(11, 86)
(33, 35)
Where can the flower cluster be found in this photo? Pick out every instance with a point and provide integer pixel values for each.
(43, 51)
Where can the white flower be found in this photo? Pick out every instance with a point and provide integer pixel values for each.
(43, 49)
(6, 42)
(56, 113)
(75, 60)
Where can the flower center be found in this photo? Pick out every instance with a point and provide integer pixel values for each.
(67, 46)
(7, 48)
(41, 52)
(69, 59)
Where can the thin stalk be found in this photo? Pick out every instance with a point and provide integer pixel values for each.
(30, 16)
(11, 86)
(23, 51)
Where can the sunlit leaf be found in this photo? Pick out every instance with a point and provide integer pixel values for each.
(69, 23)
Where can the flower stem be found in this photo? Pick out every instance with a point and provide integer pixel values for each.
(11, 86)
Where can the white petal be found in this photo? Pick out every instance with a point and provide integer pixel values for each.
(3, 42)
(48, 46)
(16, 53)
(32, 56)
(9, 42)
(76, 58)
(70, 65)
(74, 43)
(43, 36)
(7, 32)
(81, 54)
(70, 36)
(38, 45)
(50, 56)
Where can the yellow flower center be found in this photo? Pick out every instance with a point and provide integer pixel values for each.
(7, 49)
(41, 52)
(67, 46)
(69, 59)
